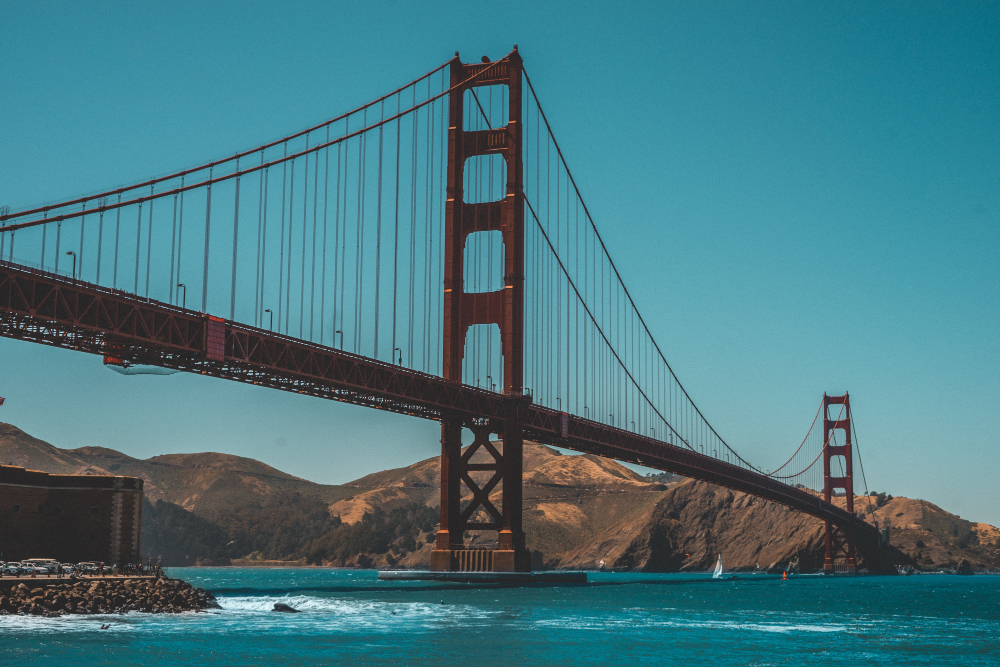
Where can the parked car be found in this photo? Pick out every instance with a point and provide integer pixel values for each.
(41, 565)
(13, 569)
(86, 567)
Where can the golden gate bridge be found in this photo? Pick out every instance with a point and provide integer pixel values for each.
(428, 253)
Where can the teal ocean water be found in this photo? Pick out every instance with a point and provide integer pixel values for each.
(350, 618)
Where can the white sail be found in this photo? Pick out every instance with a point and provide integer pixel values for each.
(718, 569)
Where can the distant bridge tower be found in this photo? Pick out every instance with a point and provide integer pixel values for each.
(504, 308)
(839, 540)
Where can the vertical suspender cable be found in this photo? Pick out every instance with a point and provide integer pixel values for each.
(236, 239)
(340, 320)
(257, 319)
(442, 179)
(79, 259)
(173, 251)
(413, 231)
(429, 233)
(263, 245)
(281, 238)
(45, 229)
(118, 228)
(180, 237)
(149, 240)
(336, 254)
(427, 230)
(208, 223)
(326, 193)
(138, 248)
(312, 262)
(395, 235)
(305, 224)
(100, 240)
(359, 237)
(291, 225)
(378, 234)
(59, 238)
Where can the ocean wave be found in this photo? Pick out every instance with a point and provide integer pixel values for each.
(352, 611)
(691, 624)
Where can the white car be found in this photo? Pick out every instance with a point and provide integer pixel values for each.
(13, 569)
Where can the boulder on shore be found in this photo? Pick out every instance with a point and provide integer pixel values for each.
(281, 606)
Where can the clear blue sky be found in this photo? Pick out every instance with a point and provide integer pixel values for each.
(804, 197)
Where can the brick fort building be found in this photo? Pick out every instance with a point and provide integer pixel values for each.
(70, 518)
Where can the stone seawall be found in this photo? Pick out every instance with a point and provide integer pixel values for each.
(104, 596)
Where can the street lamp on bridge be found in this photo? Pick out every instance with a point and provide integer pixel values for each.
(270, 324)
(185, 297)
(72, 275)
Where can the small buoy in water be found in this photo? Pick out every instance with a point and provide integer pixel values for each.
(281, 606)
(442, 601)
(784, 576)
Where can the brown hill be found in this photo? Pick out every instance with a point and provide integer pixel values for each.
(198, 482)
(20, 449)
(202, 483)
(578, 511)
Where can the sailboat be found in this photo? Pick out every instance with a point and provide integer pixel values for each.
(718, 569)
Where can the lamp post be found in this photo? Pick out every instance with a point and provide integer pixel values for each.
(612, 415)
(72, 275)
(400, 350)
(338, 331)
(270, 325)
(185, 297)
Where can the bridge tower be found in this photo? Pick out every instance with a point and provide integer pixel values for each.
(839, 541)
(504, 308)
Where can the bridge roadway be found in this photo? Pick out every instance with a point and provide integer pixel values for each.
(43, 307)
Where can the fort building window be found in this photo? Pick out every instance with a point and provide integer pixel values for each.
(17, 508)
(95, 510)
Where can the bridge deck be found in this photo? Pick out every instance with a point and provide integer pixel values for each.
(46, 308)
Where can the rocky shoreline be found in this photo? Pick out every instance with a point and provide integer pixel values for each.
(156, 596)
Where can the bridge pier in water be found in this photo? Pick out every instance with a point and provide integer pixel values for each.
(450, 552)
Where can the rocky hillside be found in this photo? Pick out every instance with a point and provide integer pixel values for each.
(580, 511)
